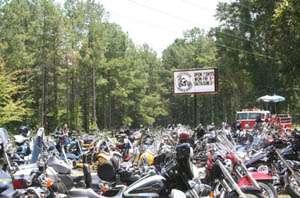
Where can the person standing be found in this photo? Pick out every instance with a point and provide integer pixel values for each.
(65, 134)
(65, 130)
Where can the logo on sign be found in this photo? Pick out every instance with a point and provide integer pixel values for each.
(184, 82)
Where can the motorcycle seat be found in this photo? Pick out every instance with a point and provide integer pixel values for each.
(114, 192)
(67, 180)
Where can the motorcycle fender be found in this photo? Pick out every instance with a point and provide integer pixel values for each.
(261, 176)
(258, 176)
(286, 179)
(244, 181)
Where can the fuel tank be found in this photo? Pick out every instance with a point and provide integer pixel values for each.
(149, 186)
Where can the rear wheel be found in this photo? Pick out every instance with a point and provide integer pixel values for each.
(250, 192)
(293, 187)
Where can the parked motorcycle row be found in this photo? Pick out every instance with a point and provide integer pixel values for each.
(172, 162)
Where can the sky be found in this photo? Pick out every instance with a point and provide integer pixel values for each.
(159, 22)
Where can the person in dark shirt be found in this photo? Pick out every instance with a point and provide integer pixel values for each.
(258, 122)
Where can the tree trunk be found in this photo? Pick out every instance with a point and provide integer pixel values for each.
(44, 75)
(94, 97)
(43, 94)
(55, 81)
(85, 105)
(72, 99)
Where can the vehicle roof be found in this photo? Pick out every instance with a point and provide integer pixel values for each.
(253, 111)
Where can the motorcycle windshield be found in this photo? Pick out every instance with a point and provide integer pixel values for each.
(4, 136)
(37, 145)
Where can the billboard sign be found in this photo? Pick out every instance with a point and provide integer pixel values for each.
(195, 81)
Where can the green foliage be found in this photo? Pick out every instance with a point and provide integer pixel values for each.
(257, 44)
(256, 49)
(194, 50)
(12, 108)
(69, 64)
(57, 53)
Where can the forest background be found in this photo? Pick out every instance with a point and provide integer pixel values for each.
(68, 63)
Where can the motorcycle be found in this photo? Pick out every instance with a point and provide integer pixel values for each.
(177, 174)
(23, 147)
(242, 175)
(273, 162)
(6, 190)
(226, 173)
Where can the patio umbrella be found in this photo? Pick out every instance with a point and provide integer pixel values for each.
(265, 98)
(275, 98)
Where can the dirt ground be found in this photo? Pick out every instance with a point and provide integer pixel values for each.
(284, 196)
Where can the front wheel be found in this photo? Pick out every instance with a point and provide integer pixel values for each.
(30, 193)
(293, 187)
(268, 190)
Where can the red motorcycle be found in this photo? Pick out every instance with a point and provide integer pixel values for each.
(229, 177)
(244, 177)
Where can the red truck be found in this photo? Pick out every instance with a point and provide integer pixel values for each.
(248, 117)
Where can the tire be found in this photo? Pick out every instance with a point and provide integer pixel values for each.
(293, 187)
(30, 194)
(268, 190)
(249, 191)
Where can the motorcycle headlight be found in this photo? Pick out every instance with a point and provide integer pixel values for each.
(228, 165)
(263, 168)
(247, 126)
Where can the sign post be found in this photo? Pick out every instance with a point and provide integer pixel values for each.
(195, 110)
(195, 82)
